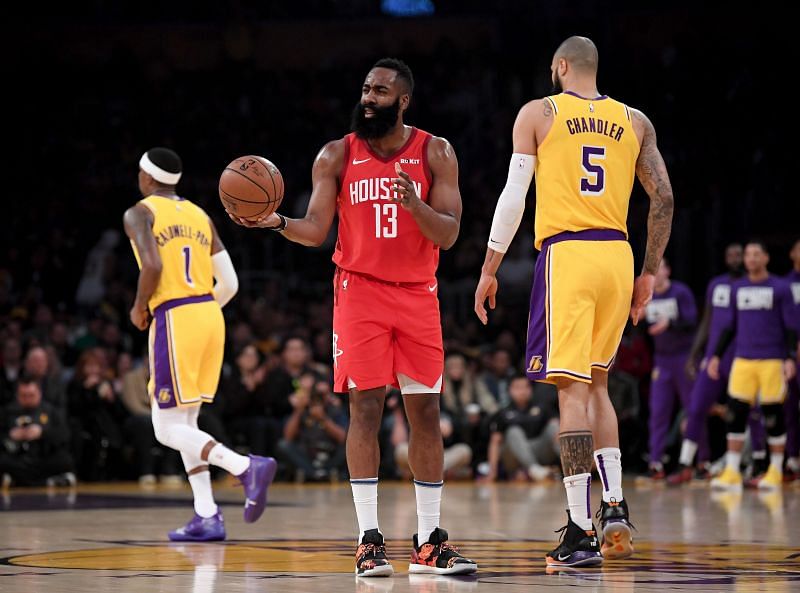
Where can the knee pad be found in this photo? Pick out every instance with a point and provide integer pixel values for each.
(738, 413)
(774, 421)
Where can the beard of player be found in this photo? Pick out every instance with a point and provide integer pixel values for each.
(557, 88)
(377, 126)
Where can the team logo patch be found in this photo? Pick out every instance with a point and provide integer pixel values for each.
(535, 364)
(336, 351)
(164, 396)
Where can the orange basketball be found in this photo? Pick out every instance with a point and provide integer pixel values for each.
(251, 187)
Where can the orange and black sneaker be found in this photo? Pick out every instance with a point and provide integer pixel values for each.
(616, 542)
(577, 547)
(371, 558)
(436, 556)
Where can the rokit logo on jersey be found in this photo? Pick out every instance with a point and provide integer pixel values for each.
(375, 188)
(753, 298)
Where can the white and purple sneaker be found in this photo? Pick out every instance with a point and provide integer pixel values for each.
(201, 529)
(256, 479)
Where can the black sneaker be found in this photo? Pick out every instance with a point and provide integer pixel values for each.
(577, 547)
(371, 558)
(616, 542)
(436, 556)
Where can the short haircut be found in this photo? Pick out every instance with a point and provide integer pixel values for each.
(26, 379)
(402, 69)
(760, 243)
(165, 158)
(580, 53)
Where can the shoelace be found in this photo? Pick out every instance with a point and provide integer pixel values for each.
(374, 549)
(562, 531)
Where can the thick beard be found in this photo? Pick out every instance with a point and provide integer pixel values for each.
(377, 126)
(557, 88)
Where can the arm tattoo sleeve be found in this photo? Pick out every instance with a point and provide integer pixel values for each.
(576, 452)
(652, 173)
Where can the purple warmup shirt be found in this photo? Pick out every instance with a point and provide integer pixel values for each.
(718, 297)
(676, 304)
(793, 278)
(759, 315)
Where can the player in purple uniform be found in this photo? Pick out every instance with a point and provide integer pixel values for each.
(672, 315)
(706, 391)
(759, 322)
(792, 406)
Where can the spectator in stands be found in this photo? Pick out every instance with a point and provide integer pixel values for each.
(96, 415)
(524, 434)
(283, 381)
(498, 376)
(37, 366)
(36, 436)
(244, 403)
(11, 369)
(314, 435)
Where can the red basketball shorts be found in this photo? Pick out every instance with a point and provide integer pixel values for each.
(386, 334)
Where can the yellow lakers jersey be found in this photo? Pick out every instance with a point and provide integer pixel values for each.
(183, 235)
(585, 167)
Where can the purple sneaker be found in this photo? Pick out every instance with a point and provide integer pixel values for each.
(256, 479)
(200, 529)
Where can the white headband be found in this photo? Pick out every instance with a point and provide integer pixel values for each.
(157, 172)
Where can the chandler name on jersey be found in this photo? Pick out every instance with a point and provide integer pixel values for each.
(379, 238)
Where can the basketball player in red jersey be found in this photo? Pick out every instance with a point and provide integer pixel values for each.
(395, 188)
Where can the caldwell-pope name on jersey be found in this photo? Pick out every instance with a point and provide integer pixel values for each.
(180, 230)
(375, 188)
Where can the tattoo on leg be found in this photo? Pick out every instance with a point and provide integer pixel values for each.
(576, 452)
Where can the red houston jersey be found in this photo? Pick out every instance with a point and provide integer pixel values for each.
(377, 237)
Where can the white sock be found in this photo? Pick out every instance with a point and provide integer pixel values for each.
(580, 510)
(365, 497)
(204, 504)
(776, 460)
(733, 459)
(228, 460)
(688, 451)
(793, 464)
(429, 503)
(609, 465)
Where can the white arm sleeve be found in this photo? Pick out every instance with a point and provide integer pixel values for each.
(227, 282)
(511, 204)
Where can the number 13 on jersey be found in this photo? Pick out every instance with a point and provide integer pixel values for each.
(385, 213)
(593, 183)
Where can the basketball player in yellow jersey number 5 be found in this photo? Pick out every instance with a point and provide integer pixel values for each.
(585, 149)
(180, 254)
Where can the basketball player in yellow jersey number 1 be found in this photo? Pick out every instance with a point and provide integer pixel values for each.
(585, 149)
(180, 255)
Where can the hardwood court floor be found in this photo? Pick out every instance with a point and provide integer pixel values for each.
(113, 538)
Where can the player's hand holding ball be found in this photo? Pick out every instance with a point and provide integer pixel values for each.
(251, 189)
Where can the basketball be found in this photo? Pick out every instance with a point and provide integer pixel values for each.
(251, 187)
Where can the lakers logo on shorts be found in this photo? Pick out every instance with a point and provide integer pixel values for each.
(164, 396)
(535, 364)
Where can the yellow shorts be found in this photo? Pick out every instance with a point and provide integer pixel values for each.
(187, 343)
(757, 381)
(580, 304)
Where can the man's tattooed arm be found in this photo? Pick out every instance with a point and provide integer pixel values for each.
(652, 173)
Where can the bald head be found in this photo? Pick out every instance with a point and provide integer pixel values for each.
(580, 53)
